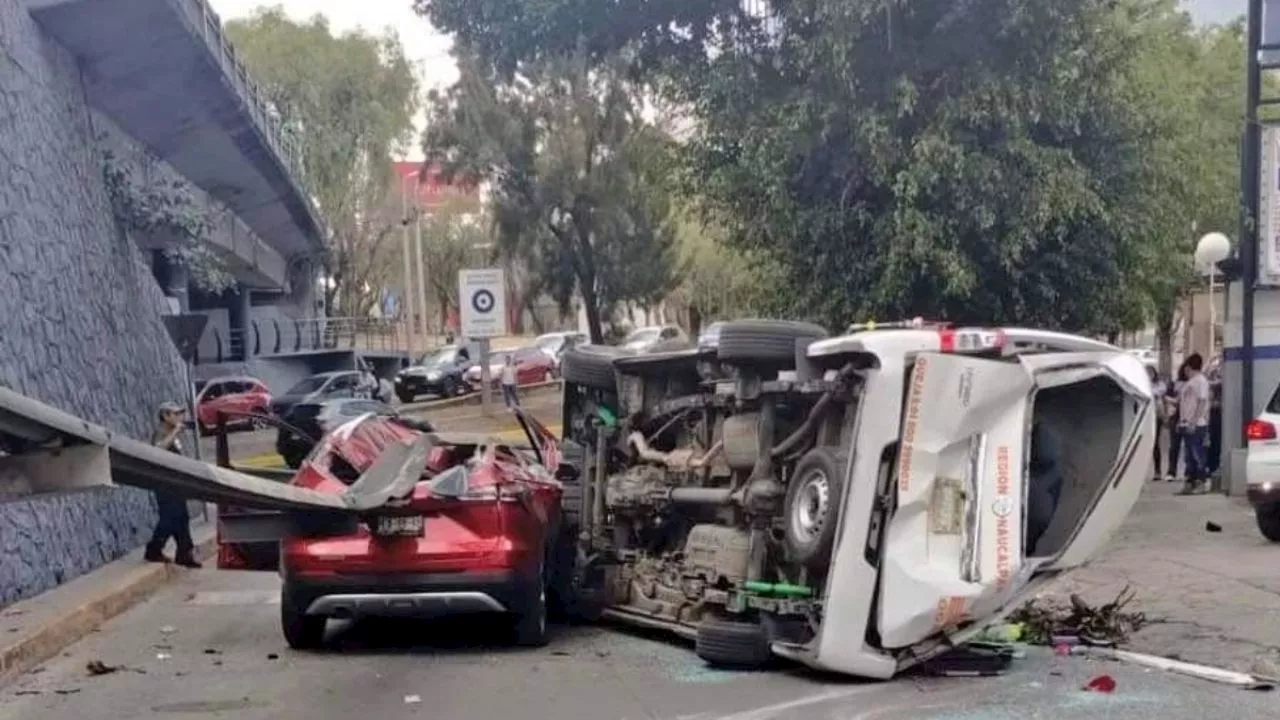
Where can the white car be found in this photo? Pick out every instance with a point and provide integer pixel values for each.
(1262, 468)
(556, 344)
(857, 504)
(646, 339)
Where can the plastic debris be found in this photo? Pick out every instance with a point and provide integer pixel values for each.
(97, 667)
(1203, 672)
(412, 699)
(1105, 625)
(163, 656)
(272, 656)
(1212, 527)
(1101, 684)
(168, 629)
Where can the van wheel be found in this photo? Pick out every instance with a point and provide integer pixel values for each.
(301, 631)
(405, 396)
(812, 507)
(770, 343)
(1268, 517)
(732, 643)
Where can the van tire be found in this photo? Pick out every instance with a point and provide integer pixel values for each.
(1268, 517)
(301, 631)
(589, 369)
(814, 496)
(732, 643)
(767, 342)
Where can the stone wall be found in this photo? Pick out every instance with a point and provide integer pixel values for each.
(79, 308)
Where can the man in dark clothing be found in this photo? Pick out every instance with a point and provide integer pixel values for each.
(174, 517)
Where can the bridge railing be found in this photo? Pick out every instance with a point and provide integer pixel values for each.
(283, 336)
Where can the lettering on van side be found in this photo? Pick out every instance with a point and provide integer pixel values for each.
(1002, 508)
(912, 422)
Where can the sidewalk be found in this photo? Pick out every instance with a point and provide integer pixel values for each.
(1211, 597)
(36, 629)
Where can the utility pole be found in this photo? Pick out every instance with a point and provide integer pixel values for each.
(1249, 184)
(406, 297)
(422, 277)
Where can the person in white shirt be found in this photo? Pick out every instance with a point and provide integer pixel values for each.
(509, 395)
(1195, 399)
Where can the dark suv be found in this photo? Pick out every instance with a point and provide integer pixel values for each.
(438, 373)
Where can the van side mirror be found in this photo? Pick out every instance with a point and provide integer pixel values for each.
(566, 473)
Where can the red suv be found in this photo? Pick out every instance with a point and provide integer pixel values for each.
(480, 532)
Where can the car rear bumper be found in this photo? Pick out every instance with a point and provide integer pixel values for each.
(414, 595)
(1263, 494)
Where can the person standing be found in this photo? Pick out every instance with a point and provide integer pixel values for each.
(510, 396)
(1157, 391)
(1194, 401)
(174, 518)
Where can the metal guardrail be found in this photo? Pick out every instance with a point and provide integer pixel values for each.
(285, 337)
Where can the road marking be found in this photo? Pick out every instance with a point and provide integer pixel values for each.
(236, 597)
(768, 712)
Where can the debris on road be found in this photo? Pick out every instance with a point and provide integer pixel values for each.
(272, 656)
(97, 667)
(168, 629)
(212, 651)
(1055, 624)
(1213, 527)
(1203, 672)
(1101, 684)
(412, 699)
(163, 656)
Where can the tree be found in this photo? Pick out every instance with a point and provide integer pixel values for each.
(994, 161)
(350, 100)
(573, 172)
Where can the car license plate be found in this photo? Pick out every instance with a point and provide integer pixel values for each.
(398, 526)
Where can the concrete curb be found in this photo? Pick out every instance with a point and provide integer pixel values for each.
(40, 627)
(536, 389)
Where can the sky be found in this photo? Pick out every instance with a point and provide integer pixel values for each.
(424, 46)
(1208, 11)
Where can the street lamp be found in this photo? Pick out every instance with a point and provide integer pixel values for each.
(1212, 249)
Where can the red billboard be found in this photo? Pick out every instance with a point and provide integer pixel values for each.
(433, 191)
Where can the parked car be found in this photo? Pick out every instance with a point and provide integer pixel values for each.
(238, 398)
(322, 386)
(648, 339)
(478, 532)
(307, 422)
(439, 372)
(710, 336)
(556, 344)
(1262, 468)
(532, 366)
(918, 483)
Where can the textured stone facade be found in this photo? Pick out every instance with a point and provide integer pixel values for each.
(79, 308)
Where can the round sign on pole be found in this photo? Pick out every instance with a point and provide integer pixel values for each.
(482, 301)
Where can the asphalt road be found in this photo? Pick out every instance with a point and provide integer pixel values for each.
(545, 407)
(209, 646)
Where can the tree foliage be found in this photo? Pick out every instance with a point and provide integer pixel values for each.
(574, 176)
(350, 100)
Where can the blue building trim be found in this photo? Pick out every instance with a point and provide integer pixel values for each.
(1260, 352)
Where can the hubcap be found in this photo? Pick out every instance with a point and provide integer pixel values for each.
(811, 507)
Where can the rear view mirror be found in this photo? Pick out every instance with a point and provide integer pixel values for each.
(567, 473)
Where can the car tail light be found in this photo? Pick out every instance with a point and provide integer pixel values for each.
(967, 340)
(1260, 430)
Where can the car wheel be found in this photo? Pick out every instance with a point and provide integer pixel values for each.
(450, 388)
(405, 396)
(766, 342)
(531, 622)
(593, 369)
(812, 506)
(301, 631)
(1268, 517)
(732, 643)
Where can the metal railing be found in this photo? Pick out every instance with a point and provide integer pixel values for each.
(269, 119)
(276, 336)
